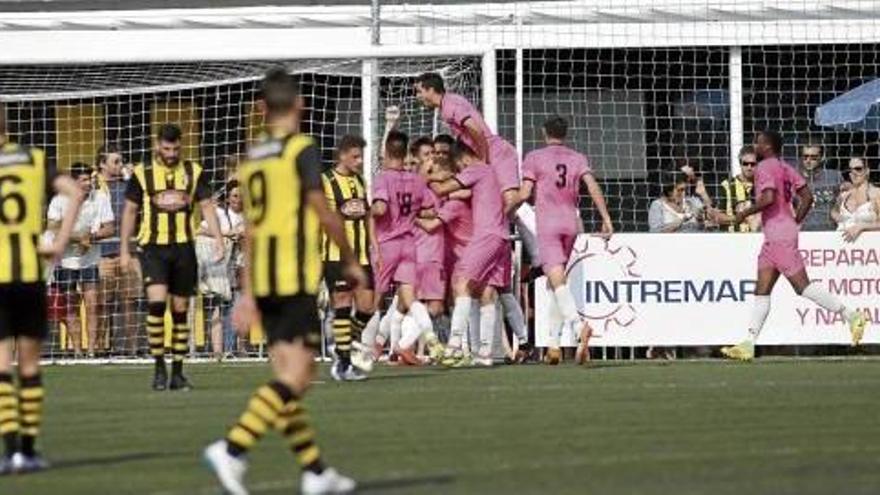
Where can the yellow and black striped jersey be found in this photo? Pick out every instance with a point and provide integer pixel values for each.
(167, 196)
(285, 233)
(24, 184)
(347, 194)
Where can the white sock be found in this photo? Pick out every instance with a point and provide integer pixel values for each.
(759, 316)
(487, 328)
(514, 314)
(458, 326)
(410, 332)
(566, 304)
(814, 292)
(554, 322)
(368, 338)
(423, 319)
(474, 327)
(396, 319)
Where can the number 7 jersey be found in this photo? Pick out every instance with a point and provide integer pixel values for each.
(285, 257)
(556, 171)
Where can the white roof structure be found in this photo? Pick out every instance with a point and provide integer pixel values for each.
(80, 35)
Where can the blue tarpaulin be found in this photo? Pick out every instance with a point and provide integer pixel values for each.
(857, 109)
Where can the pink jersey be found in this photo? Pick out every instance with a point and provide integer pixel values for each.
(429, 245)
(556, 171)
(777, 220)
(458, 219)
(405, 193)
(455, 110)
(486, 201)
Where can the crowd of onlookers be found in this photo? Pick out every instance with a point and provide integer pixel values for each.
(847, 203)
(90, 286)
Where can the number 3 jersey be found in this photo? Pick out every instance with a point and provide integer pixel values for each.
(777, 220)
(24, 181)
(556, 171)
(405, 193)
(285, 257)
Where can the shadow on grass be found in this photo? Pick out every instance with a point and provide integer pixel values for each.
(382, 486)
(111, 460)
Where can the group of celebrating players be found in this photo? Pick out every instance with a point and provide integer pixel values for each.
(440, 231)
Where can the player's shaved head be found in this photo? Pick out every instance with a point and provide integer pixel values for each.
(556, 127)
(279, 92)
(396, 145)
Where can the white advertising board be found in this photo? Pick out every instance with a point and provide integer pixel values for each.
(697, 289)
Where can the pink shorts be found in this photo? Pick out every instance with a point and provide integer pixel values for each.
(398, 263)
(555, 248)
(505, 161)
(432, 281)
(486, 261)
(781, 255)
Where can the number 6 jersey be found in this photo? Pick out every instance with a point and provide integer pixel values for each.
(23, 191)
(285, 258)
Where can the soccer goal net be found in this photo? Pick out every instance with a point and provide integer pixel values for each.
(73, 111)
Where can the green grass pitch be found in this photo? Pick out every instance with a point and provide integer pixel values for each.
(774, 427)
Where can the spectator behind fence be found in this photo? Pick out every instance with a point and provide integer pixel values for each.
(218, 280)
(825, 184)
(76, 276)
(858, 209)
(119, 288)
(738, 191)
(675, 211)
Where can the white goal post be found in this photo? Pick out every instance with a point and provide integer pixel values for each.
(72, 91)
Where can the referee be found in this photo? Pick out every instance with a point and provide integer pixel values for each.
(165, 191)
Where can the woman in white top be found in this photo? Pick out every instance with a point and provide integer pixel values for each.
(218, 281)
(675, 211)
(76, 275)
(858, 209)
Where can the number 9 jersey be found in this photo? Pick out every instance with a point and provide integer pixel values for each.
(23, 191)
(285, 257)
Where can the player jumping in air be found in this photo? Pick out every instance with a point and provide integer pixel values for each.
(555, 173)
(776, 182)
(468, 125)
(285, 210)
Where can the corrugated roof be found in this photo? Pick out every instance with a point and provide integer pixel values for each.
(22, 6)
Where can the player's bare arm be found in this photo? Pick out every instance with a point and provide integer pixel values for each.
(126, 229)
(245, 313)
(805, 203)
(68, 187)
(766, 199)
(378, 209)
(595, 191)
(209, 213)
(429, 225)
(463, 194)
(334, 229)
(479, 139)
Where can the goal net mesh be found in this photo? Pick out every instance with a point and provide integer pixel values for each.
(71, 111)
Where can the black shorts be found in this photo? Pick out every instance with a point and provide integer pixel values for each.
(23, 311)
(174, 265)
(336, 282)
(291, 318)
